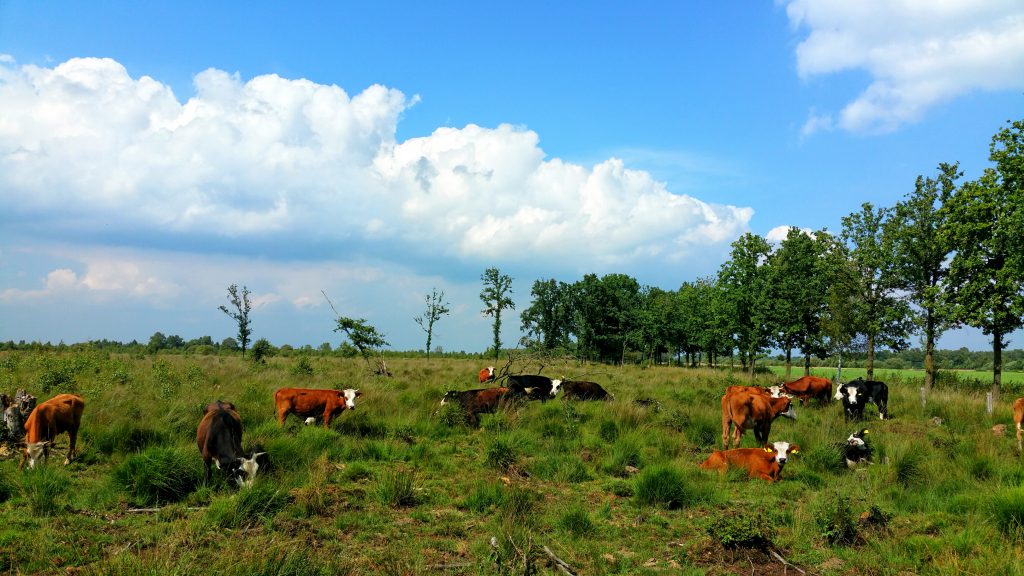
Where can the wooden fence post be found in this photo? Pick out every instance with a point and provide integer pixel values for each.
(923, 392)
(988, 402)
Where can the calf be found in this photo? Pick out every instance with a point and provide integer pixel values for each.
(219, 437)
(306, 402)
(857, 393)
(752, 411)
(486, 374)
(62, 413)
(809, 387)
(532, 386)
(479, 401)
(1018, 418)
(856, 451)
(764, 463)
(580, 389)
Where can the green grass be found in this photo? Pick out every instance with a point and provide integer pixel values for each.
(395, 488)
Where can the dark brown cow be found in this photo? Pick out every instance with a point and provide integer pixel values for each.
(62, 413)
(479, 401)
(305, 402)
(764, 463)
(752, 411)
(219, 437)
(810, 387)
(580, 389)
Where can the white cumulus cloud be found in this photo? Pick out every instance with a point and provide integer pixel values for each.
(779, 233)
(87, 149)
(919, 53)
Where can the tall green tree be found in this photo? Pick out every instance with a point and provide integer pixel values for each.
(921, 252)
(838, 319)
(437, 308)
(363, 336)
(713, 336)
(549, 317)
(688, 321)
(880, 314)
(797, 296)
(743, 278)
(606, 311)
(242, 306)
(496, 296)
(985, 227)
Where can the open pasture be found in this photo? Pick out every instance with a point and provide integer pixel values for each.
(395, 488)
(980, 380)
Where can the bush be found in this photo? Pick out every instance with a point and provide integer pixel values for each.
(44, 487)
(260, 351)
(159, 475)
(248, 507)
(662, 486)
(835, 521)
(748, 529)
(302, 367)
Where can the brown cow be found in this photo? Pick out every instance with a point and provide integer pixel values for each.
(1018, 418)
(771, 391)
(487, 374)
(480, 401)
(219, 437)
(62, 413)
(752, 411)
(808, 387)
(764, 463)
(305, 402)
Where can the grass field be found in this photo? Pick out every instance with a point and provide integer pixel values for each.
(980, 379)
(391, 488)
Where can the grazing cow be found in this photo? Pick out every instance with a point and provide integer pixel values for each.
(486, 374)
(580, 389)
(771, 391)
(62, 413)
(1018, 418)
(219, 437)
(479, 401)
(808, 387)
(752, 411)
(856, 451)
(855, 394)
(533, 386)
(764, 463)
(306, 402)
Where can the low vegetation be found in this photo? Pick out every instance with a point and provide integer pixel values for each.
(395, 488)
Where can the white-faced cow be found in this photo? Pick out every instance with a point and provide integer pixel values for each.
(856, 451)
(486, 374)
(857, 393)
(219, 438)
(764, 463)
(474, 402)
(62, 413)
(306, 402)
(752, 411)
(580, 390)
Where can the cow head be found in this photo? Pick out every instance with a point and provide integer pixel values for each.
(857, 438)
(850, 392)
(554, 386)
(787, 410)
(350, 396)
(245, 473)
(490, 372)
(36, 452)
(782, 451)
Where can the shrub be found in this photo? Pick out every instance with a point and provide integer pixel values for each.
(260, 351)
(44, 488)
(248, 507)
(662, 486)
(747, 529)
(158, 475)
(835, 520)
(302, 367)
(396, 489)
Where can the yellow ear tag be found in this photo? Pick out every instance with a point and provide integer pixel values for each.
(767, 449)
(866, 431)
(795, 451)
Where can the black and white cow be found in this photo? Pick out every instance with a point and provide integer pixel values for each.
(580, 390)
(532, 386)
(856, 451)
(855, 394)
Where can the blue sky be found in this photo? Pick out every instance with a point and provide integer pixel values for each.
(153, 153)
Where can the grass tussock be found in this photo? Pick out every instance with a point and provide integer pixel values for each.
(45, 489)
(159, 475)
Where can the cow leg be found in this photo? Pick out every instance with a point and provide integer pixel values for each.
(71, 447)
(1019, 432)
(282, 413)
(327, 419)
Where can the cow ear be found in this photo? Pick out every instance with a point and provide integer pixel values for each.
(358, 393)
(794, 449)
(258, 454)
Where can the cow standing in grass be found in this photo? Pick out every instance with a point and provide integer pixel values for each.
(306, 402)
(62, 413)
(752, 411)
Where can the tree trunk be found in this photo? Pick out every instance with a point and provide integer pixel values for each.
(997, 364)
(752, 364)
(789, 362)
(871, 357)
(807, 364)
(929, 351)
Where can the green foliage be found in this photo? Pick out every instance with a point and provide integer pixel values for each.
(165, 380)
(750, 527)
(124, 437)
(261, 350)
(302, 368)
(240, 314)
(44, 488)
(483, 496)
(436, 309)
(496, 296)
(519, 505)
(835, 520)
(158, 475)
(907, 467)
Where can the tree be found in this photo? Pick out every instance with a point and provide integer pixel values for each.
(549, 316)
(880, 315)
(436, 308)
(240, 302)
(496, 297)
(605, 314)
(985, 227)
(157, 342)
(921, 247)
(364, 337)
(743, 278)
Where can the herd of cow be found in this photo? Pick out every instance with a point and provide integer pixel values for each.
(219, 433)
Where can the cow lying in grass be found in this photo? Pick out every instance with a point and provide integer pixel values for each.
(764, 463)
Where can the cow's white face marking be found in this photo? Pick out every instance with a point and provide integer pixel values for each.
(249, 467)
(789, 413)
(776, 392)
(781, 451)
(350, 398)
(490, 371)
(35, 451)
(554, 386)
(854, 441)
(851, 393)
(310, 421)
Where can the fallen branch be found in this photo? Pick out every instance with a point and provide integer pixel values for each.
(784, 561)
(559, 563)
(151, 510)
